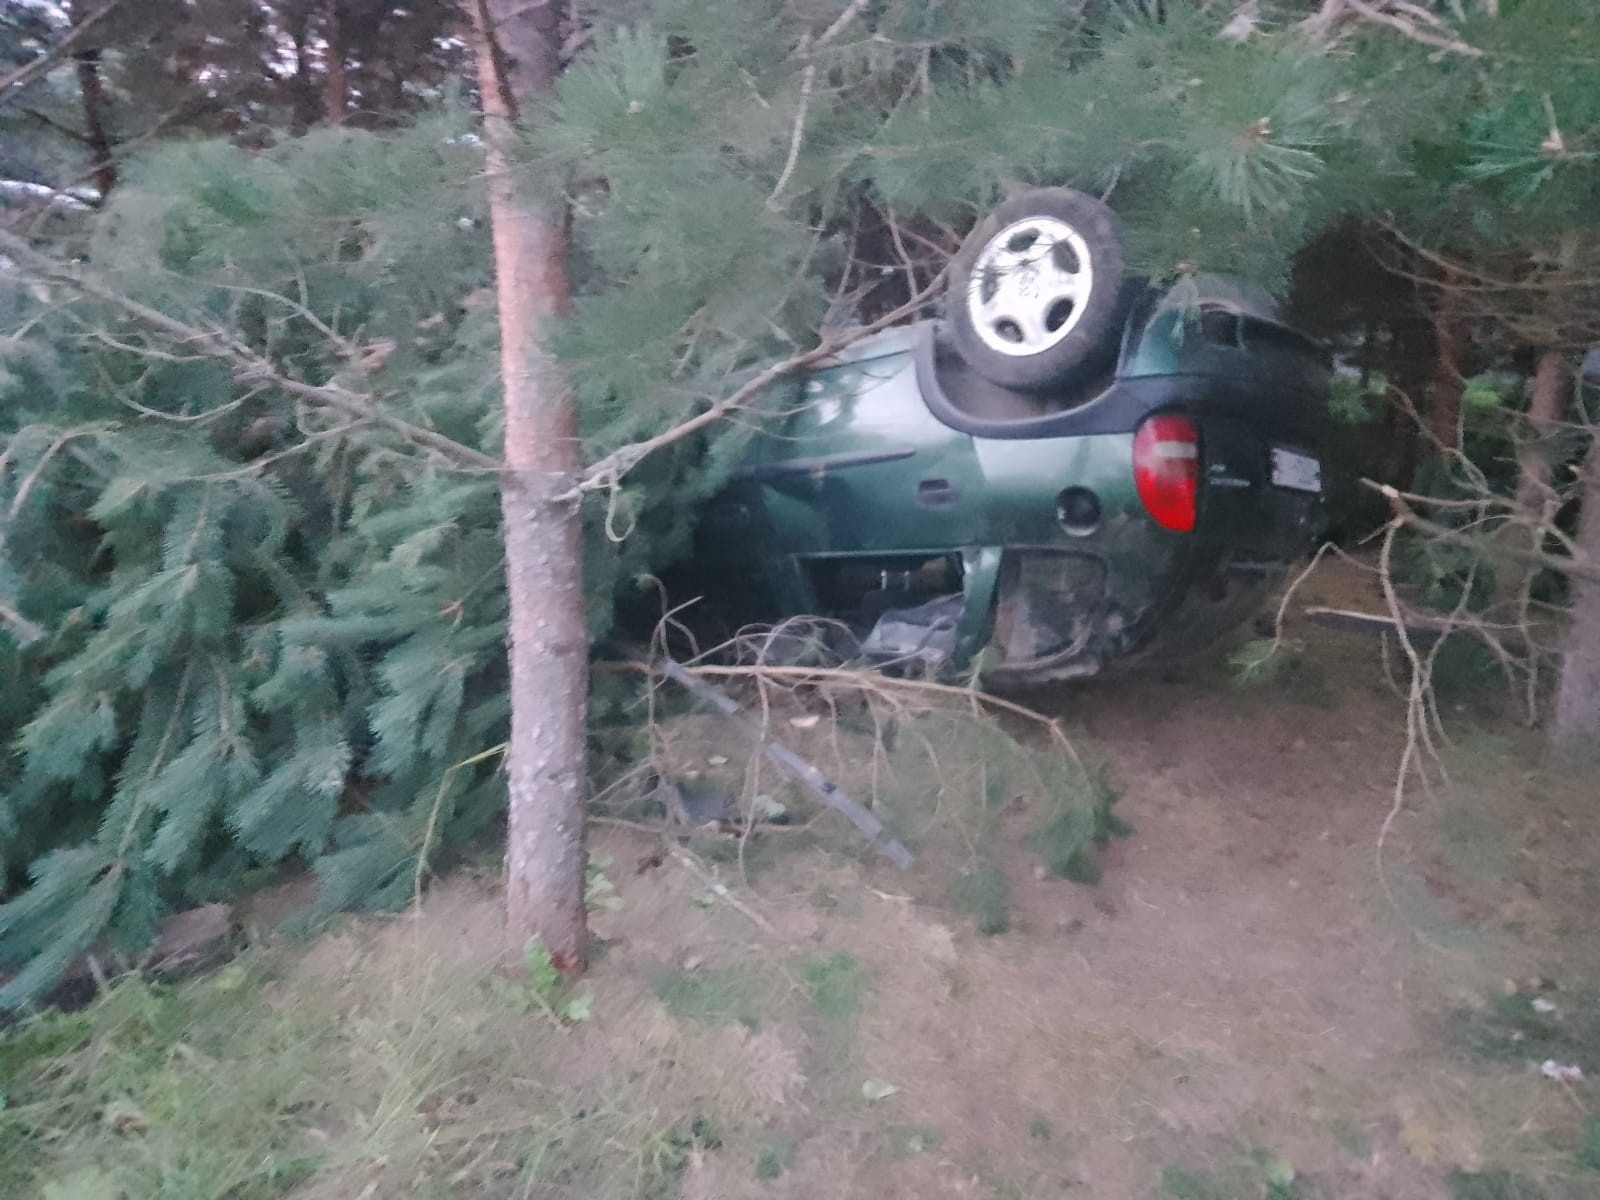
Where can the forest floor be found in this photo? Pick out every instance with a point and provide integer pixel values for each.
(1255, 1001)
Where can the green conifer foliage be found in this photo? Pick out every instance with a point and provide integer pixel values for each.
(237, 628)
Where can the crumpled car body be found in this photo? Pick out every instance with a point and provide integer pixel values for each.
(953, 522)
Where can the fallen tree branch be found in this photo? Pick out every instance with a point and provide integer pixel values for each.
(246, 364)
(814, 780)
(979, 700)
(608, 471)
(1409, 516)
(1423, 628)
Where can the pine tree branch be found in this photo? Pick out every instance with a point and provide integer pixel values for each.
(54, 448)
(246, 364)
(22, 629)
(608, 471)
(807, 81)
(1405, 514)
(796, 138)
(841, 22)
(11, 85)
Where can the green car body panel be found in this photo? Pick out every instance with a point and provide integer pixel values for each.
(870, 467)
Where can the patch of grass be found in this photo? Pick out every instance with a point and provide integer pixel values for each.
(1492, 1185)
(1474, 843)
(1081, 821)
(1589, 1152)
(40, 1039)
(713, 995)
(1248, 1174)
(756, 858)
(383, 1070)
(984, 893)
(1040, 1130)
(173, 1095)
(1351, 1138)
(907, 1141)
(1513, 1030)
(1182, 1184)
(542, 988)
(836, 984)
(1284, 667)
(775, 1158)
(1465, 667)
(1276, 1174)
(1305, 682)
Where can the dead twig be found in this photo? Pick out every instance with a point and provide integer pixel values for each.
(719, 889)
(1410, 20)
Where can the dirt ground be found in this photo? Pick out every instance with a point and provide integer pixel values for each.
(1248, 1000)
(1253, 1002)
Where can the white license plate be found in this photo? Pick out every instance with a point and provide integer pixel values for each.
(1297, 472)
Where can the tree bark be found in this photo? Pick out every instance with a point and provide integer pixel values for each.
(1449, 384)
(518, 45)
(335, 90)
(304, 91)
(97, 131)
(1575, 723)
(1534, 504)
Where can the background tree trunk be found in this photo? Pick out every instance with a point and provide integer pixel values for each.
(1575, 723)
(1449, 385)
(1514, 572)
(97, 130)
(518, 44)
(305, 106)
(335, 91)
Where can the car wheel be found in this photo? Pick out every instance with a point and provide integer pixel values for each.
(1037, 293)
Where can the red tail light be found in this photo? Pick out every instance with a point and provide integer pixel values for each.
(1166, 468)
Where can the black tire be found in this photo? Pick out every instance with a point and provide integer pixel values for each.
(1095, 319)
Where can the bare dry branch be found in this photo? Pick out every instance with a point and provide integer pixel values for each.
(1404, 19)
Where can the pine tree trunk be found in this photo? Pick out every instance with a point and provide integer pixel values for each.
(1449, 385)
(97, 131)
(1575, 723)
(1517, 542)
(518, 42)
(304, 90)
(335, 91)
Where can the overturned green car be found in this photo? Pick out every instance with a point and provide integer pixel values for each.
(1068, 472)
